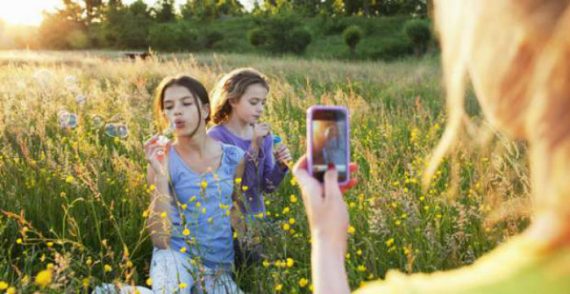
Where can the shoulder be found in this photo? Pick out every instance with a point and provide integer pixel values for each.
(216, 132)
(233, 153)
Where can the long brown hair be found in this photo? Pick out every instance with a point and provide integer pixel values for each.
(230, 88)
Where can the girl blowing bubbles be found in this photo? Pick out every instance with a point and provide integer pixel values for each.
(238, 101)
(189, 222)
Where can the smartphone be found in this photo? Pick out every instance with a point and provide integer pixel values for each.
(328, 141)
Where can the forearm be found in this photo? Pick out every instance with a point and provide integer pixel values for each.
(273, 177)
(327, 262)
(159, 224)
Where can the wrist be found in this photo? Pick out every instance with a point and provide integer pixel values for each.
(333, 246)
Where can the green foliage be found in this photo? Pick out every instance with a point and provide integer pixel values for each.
(299, 39)
(419, 33)
(173, 37)
(281, 33)
(257, 37)
(352, 36)
(164, 11)
(211, 37)
(77, 39)
(128, 26)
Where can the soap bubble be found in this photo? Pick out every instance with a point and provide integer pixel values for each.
(67, 120)
(118, 130)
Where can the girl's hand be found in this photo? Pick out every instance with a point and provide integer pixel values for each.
(283, 155)
(259, 132)
(155, 154)
(326, 210)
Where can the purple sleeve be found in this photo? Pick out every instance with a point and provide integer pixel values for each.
(273, 173)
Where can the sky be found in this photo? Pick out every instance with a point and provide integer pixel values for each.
(29, 12)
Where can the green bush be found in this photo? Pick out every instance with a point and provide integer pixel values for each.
(77, 39)
(393, 49)
(173, 37)
(211, 37)
(352, 36)
(257, 37)
(300, 38)
(280, 33)
(419, 33)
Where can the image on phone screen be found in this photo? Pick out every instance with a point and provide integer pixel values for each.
(329, 146)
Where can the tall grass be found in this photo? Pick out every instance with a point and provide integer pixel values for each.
(74, 201)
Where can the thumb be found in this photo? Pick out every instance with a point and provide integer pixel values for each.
(332, 190)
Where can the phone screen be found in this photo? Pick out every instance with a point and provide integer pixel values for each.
(329, 142)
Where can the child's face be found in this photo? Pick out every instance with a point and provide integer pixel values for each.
(250, 106)
(181, 110)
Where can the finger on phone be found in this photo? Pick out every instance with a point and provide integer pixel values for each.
(331, 182)
(351, 183)
(353, 167)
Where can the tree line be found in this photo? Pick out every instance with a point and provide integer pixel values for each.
(81, 24)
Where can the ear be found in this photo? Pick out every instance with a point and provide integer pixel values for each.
(206, 109)
(233, 102)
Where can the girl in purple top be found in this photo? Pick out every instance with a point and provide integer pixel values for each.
(238, 101)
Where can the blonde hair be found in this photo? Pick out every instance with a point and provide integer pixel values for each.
(230, 88)
(517, 55)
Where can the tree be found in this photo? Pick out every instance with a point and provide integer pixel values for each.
(352, 36)
(164, 11)
(419, 33)
(93, 10)
(128, 26)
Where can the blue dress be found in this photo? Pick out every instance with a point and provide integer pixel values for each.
(201, 218)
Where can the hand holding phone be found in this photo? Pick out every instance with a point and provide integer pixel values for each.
(328, 141)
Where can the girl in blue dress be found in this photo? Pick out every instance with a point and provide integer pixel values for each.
(192, 205)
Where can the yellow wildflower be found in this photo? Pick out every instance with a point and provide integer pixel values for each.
(244, 188)
(293, 199)
(11, 290)
(286, 227)
(361, 268)
(107, 268)
(204, 184)
(43, 279)
(149, 282)
(238, 181)
(292, 221)
(351, 230)
(3, 285)
(279, 287)
(266, 263)
(303, 282)
(85, 282)
(186, 232)
(290, 262)
(19, 241)
(182, 285)
(183, 250)
(69, 179)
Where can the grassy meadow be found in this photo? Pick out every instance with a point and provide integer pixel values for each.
(74, 202)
